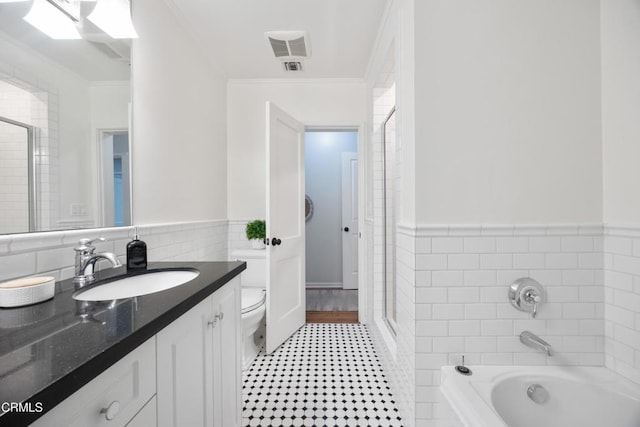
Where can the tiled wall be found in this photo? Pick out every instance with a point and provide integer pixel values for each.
(457, 278)
(237, 237)
(397, 352)
(52, 252)
(461, 293)
(622, 299)
(406, 327)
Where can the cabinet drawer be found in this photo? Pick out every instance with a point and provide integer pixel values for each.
(131, 382)
(147, 417)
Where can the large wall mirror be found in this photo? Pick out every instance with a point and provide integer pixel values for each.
(64, 128)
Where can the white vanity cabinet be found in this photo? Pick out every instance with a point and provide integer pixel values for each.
(187, 375)
(198, 356)
(148, 415)
(113, 398)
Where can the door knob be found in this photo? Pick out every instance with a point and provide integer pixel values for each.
(346, 229)
(275, 241)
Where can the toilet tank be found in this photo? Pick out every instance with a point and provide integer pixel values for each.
(255, 274)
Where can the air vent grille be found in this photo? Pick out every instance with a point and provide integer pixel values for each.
(279, 47)
(293, 65)
(297, 47)
(289, 44)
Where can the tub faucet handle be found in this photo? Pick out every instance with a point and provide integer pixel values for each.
(526, 294)
(532, 297)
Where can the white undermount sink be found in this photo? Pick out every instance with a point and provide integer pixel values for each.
(133, 286)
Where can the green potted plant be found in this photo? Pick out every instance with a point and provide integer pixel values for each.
(256, 232)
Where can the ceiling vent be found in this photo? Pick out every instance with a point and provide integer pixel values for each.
(292, 65)
(289, 44)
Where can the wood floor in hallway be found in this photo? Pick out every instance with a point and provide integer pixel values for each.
(332, 317)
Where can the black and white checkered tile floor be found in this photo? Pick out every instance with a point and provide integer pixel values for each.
(325, 375)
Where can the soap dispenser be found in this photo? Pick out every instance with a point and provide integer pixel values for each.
(136, 253)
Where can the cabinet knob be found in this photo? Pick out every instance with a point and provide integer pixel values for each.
(111, 411)
(214, 322)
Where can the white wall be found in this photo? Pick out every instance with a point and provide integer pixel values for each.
(179, 118)
(508, 111)
(621, 132)
(620, 104)
(110, 104)
(323, 182)
(312, 102)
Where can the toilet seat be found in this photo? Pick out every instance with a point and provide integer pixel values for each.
(252, 298)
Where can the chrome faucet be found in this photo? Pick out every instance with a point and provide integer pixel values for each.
(532, 340)
(86, 259)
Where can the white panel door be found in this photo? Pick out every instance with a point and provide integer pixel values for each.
(349, 220)
(285, 226)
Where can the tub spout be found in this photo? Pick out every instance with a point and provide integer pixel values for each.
(532, 340)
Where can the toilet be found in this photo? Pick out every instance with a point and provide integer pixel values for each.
(253, 281)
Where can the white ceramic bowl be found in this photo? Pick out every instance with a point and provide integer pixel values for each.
(26, 291)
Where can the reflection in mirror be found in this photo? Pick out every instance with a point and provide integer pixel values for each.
(64, 119)
(16, 187)
(115, 183)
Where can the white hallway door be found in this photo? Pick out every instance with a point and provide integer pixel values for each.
(285, 226)
(349, 220)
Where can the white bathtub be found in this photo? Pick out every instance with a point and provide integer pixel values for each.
(577, 396)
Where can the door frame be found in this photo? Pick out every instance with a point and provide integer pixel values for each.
(362, 288)
(346, 179)
(102, 136)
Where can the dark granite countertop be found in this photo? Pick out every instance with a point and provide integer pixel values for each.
(51, 349)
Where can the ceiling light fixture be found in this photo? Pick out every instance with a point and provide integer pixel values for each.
(114, 18)
(50, 18)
